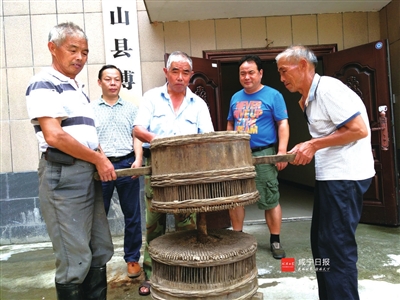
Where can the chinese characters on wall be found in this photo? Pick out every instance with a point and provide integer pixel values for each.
(121, 42)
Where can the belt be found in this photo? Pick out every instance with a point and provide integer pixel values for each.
(256, 149)
(57, 156)
(119, 158)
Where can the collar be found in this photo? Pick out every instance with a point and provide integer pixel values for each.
(164, 93)
(53, 72)
(312, 94)
(102, 102)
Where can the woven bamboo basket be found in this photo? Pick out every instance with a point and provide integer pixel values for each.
(222, 268)
(202, 172)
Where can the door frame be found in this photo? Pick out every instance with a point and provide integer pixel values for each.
(234, 55)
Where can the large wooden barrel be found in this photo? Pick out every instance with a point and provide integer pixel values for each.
(223, 268)
(202, 172)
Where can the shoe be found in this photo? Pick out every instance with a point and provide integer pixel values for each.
(134, 269)
(277, 250)
(144, 288)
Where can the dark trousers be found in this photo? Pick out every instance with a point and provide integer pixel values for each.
(336, 214)
(128, 190)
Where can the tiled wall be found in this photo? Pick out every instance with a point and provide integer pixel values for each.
(23, 52)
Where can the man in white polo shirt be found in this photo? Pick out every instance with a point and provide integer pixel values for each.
(71, 201)
(344, 166)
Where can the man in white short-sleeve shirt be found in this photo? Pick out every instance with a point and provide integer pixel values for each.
(341, 144)
(71, 201)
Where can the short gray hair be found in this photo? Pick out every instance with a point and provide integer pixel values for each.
(295, 53)
(58, 33)
(178, 56)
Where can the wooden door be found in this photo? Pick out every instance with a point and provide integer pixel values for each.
(365, 69)
(205, 83)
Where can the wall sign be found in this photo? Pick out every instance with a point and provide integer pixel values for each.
(121, 42)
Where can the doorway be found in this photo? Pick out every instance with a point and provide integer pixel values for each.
(301, 175)
(370, 80)
(298, 175)
(296, 182)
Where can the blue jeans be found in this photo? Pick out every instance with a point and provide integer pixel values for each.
(336, 213)
(128, 190)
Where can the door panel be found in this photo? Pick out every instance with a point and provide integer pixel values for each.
(365, 70)
(205, 83)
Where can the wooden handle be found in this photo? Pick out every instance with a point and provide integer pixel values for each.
(273, 159)
(268, 159)
(129, 172)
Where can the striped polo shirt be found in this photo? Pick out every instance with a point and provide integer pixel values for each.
(52, 94)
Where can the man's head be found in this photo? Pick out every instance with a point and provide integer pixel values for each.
(110, 81)
(296, 66)
(178, 71)
(68, 46)
(250, 73)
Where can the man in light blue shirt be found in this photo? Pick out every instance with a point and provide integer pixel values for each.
(169, 110)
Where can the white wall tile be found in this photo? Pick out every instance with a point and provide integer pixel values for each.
(16, 7)
(4, 109)
(279, 31)
(152, 75)
(92, 6)
(177, 37)
(355, 28)
(18, 80)
(305, 30)
(254, 32)
(2, 46)
(69, 6)
(5, 147)
(78, 19)
(151, 39)
(18, 41)
(95, 34)
(41, 26)
(93, 89)
(202, 37)
(25, 150)
(42, 7)
(228, 34)
(330, 29)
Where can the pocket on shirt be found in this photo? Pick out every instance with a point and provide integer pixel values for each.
(157, 122)
(190, 126)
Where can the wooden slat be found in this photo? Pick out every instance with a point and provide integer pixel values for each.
(273, 159)
(129, 172)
